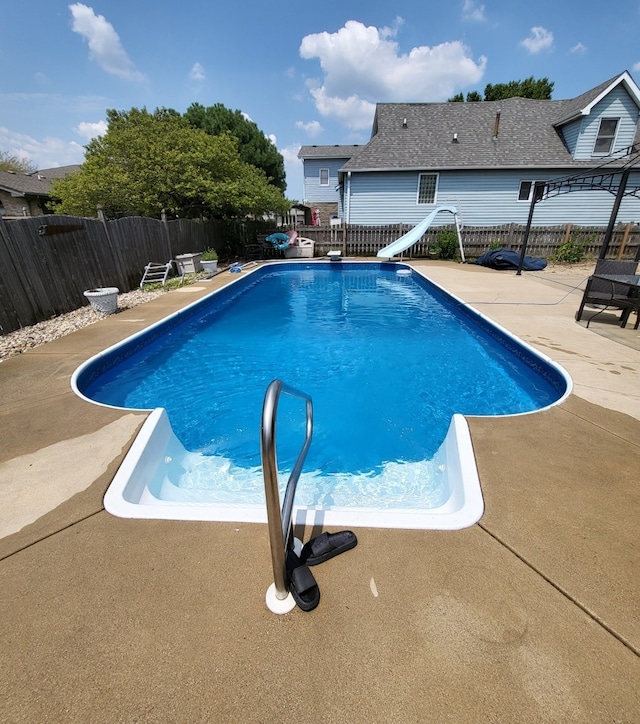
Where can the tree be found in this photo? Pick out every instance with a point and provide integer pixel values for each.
(147, 162)
(471, 96)
(255, 148)
(529, 88)
(10, 162)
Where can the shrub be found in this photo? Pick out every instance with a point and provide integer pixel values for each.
(446, 244)
(572, 251)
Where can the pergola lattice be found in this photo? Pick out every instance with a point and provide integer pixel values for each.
(612, 176)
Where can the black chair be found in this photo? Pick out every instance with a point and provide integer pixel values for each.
(604, 293)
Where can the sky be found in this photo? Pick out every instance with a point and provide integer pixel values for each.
(305, 73)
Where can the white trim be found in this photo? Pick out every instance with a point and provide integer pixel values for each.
(600, 154)
(435, 190)
(533, 183)
(630, 85)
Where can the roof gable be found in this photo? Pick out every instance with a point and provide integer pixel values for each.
(585, 103)
(511, 133)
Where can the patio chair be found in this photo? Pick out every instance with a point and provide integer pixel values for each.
(609, 294)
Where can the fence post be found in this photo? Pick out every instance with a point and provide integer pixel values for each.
(120, 264)
(625, 239)
(167, 235)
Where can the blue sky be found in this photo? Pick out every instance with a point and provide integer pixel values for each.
(305, 73)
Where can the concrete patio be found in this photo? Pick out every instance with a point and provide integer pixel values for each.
(531, 615)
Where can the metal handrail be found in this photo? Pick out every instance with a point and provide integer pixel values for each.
(280, 520)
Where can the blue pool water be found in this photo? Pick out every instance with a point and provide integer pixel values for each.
(388, 359)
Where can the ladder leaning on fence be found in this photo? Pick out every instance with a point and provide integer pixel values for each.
(155, 273)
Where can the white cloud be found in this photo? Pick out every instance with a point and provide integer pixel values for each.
(293, 171)
(353, 111)
(539, 40)
(48, 153)
(636, 67)
(362, 65)
(104, 44)
(578, 48)
(473, 12)
(91, 130)
(290, 154)
(197, 72)
(313, 129)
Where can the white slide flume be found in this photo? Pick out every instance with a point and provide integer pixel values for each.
(414, 235)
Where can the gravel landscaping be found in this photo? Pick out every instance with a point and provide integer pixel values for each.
(28, 337)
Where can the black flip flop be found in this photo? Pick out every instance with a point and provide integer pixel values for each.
(326, 546)
(302, 584)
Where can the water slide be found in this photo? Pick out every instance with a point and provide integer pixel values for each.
(414, 235)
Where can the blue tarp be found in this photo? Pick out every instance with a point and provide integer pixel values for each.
(507, 259)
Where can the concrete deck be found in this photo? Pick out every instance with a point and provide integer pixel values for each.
(532, 615)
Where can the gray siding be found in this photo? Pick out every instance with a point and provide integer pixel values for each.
(483, 198)
(617, 104)
(571, 135)
(313, 192)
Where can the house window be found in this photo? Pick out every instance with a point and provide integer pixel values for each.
(427, 183)
(324, 177)
(526, 190)
(606, 136)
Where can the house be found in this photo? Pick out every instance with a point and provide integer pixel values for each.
(322, 191)
(482, 157)
(27, 194)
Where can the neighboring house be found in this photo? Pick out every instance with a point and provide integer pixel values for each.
(27, 194)
(484, 158)
(322, 166)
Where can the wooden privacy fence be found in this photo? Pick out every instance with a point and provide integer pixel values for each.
(543, 241)
(47, 262)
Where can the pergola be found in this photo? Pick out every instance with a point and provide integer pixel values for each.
(612, 176)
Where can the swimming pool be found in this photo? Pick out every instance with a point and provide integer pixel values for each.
(390, 360)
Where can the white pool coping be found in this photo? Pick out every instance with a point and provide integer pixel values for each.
(129, 495)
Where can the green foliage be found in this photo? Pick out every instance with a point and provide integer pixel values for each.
(572, 251)
(10, 162)
(209, 255)
(149, 162)
(495, 244)
(471, 96)
(528, 88)
(446, 245)
(254, 147)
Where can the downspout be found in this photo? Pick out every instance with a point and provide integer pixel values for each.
(347, 205)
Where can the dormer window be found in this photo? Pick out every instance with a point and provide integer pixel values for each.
(606, 136)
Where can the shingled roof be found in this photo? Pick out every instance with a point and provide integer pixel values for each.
(329, 151)
(33, 184)
(511, 133)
